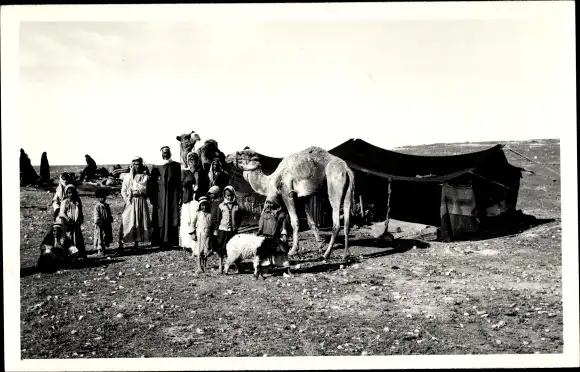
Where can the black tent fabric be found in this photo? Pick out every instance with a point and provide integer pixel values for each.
(458, 193)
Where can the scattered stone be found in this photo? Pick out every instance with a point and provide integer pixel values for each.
(498, 325)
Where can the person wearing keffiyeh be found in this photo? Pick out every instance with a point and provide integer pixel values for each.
(136, 224)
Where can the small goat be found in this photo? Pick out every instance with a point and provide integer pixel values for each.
(263, 251)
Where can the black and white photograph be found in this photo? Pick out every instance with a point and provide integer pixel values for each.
(290, 186)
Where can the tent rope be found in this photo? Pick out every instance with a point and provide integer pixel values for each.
(492, 181)
(533, 161)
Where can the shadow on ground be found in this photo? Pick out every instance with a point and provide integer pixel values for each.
(509, 225)
(81, 264)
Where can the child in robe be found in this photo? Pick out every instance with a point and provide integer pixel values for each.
(202, 229)
(103, 219)
(273, 222)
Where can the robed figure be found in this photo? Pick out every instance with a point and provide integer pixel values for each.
(166, 205)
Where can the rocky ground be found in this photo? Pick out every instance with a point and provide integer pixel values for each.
(492, 296)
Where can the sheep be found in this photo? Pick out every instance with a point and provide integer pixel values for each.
(263, 251)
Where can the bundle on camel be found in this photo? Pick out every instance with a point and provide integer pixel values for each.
(263, 251)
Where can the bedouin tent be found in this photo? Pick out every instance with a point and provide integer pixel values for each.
(463, 195)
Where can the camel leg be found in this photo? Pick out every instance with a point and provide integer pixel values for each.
(291, 207)
(312, 225)
(337, 182)
(335, 230)
(346, 210)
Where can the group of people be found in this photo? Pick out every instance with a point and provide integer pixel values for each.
(191, 208)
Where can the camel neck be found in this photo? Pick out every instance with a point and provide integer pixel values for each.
(257, 180)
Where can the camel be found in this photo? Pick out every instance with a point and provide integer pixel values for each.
(187, 142)
(298, 175)
(209, 151)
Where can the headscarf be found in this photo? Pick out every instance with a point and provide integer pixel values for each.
(202, 200)
(213, 173)
(60, 189)
(133, 169)
(77, 210)
(75, 193)
(214, 190)
(132, 185)
(231, 188)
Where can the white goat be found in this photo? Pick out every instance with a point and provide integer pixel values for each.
(263, 251)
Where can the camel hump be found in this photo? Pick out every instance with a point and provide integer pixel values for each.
(313, 152)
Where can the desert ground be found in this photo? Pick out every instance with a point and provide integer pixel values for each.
(501, 295)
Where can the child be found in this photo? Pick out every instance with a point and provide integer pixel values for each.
(202, 228)
(103, 219)
(71, 216)
(214, 197)
(229, 220)
(273, 221)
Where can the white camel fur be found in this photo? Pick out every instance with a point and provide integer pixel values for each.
(302, 174)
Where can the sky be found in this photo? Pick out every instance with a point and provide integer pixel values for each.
(118, 89)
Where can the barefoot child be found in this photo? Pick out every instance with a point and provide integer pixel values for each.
(103, 219)
(202, 229)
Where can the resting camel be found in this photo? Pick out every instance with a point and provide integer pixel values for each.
(298, 175)
(186, 144)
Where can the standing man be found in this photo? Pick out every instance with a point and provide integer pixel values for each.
(136, 225)
(167, 203)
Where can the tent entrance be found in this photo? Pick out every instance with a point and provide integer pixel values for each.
(459, 213)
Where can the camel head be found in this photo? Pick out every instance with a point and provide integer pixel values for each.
(186, 144)
(246, 160)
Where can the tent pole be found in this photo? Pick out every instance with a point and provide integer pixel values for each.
(388, 206)
(362, 212)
